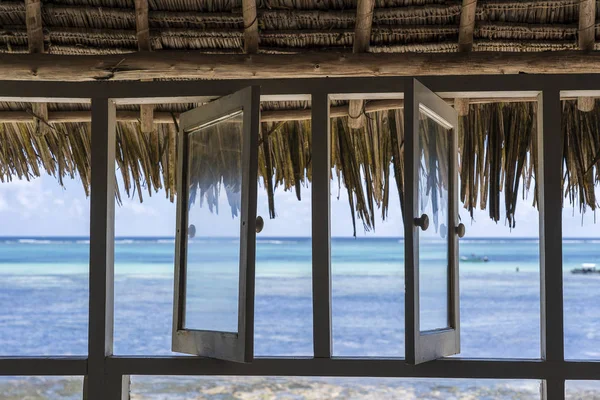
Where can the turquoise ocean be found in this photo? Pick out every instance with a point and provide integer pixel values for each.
(44, 311)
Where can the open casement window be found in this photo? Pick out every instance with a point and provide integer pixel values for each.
(216, 218)
(431, 226)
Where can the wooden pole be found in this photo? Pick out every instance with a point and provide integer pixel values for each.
(586, 40)
(461, 106)
(144, 44)
(35, 40)
(147, 117)
(250, 26)
(197, 65)
(465, 43)
(467, 25)
(35, 33)
(362, 40)
(142, 26)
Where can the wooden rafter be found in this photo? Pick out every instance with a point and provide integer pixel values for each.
(143, 38)
(586, 40)
(465, 43)
(35, 40)
(364, 23)
(467, 25)
(461, 105)
(362, 40)
(147, 117)
(250, 26)
(141, 25)
(35, 33)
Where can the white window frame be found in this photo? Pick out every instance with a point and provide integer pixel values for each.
(232, 346)
(422, 346)
(106, 375)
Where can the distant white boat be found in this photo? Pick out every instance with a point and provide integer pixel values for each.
(586, 268)
(474, 258)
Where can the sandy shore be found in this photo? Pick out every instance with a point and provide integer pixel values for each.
(276, 388)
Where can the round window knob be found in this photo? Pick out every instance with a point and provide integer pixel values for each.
(422, 222)
(460, 230)
(192, 231)
(260, 224)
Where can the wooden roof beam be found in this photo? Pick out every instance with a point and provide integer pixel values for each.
(197, 65)
(35, 41)
(362, 40)
(586, 40)
(250, 26)
(303, 114)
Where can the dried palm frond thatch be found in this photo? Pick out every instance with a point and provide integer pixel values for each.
(497, 159)
(109, 26)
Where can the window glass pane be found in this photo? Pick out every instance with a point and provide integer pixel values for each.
(41, 387)
(283, 302)
(212, 264)
(367, 266)
(145, 239)
(433, 179)
(581, 233)
(301, 388)
(499, 263)
(579, 390)
(44, 246)
(581, 272)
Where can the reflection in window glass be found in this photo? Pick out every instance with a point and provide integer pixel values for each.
(582, 390)
(212, 266)
(433, 185)
(216, 388)
(367, 270)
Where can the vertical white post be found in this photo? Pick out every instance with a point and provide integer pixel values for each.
(549, 184)
(411, 239)
(102, 239)
(321, 226)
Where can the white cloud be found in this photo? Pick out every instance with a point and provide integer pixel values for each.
(3, 204)
(136, 208)
(78, 209)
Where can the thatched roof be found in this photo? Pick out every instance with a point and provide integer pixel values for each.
(109, 26)
(496, 142)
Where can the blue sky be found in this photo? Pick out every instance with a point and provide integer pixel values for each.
(42, 208)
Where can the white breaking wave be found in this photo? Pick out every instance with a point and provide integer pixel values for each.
(37, 241)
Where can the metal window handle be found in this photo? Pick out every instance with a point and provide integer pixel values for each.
(422, 222)
(460, 230)
(260, 224)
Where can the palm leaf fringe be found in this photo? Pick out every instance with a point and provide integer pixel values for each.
(497, 157)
